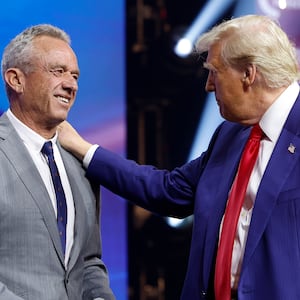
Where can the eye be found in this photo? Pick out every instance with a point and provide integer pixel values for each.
(211, 69)
(75, 76)
(213, 72)
(58, 72)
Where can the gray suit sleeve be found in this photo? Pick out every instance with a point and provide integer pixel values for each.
(96, 275)
(6, 294)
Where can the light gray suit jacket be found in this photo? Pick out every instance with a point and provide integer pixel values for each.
(31, 259)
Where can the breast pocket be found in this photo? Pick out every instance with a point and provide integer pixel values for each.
(286, 218)
(289, 195)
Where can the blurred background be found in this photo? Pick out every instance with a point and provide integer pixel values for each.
(141, 94)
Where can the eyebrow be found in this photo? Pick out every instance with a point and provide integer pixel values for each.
(208, 66)
(65, 68)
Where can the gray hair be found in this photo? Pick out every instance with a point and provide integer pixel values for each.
(18, 53)
(257, 40)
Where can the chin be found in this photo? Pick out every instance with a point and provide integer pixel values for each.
(62, 115)
(228, 118)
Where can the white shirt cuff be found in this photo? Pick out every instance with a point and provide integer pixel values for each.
(86, 161)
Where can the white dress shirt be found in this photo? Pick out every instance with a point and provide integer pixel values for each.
(271, 123)
(34, 143)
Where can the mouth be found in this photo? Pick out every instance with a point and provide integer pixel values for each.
(63, 99)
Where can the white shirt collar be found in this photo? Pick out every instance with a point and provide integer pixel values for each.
(274, 118)
(28, 136)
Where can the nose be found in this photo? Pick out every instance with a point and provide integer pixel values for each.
(70, 83)
(210, 86)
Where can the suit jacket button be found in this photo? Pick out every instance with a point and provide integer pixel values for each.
(203, 294)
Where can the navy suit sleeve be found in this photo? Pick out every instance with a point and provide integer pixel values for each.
(169, 193)
(161, 191)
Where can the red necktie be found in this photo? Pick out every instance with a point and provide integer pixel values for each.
(232, 212)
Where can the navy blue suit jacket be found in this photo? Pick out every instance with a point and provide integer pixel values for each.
(271, 266)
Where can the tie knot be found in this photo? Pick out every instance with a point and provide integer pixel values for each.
(256, 133)
(47, 149)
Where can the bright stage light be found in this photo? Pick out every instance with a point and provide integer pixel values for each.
(184, 47)
(206, 18)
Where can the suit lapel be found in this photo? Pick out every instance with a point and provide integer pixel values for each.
(79, 225)
(76, 175)
(277, 172)
(20, 159)
(230, 159)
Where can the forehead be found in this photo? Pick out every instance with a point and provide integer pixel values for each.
(53, 49)
(215, 60)
(214, 54)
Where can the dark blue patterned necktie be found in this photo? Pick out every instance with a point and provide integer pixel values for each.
(59, 192)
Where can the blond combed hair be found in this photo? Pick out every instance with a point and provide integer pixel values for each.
(258, 40)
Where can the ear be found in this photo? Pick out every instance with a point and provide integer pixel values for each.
(249, 74)
(14, 77)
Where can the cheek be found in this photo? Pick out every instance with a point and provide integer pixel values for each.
(222, 89)
(232, 90)
(39, 88)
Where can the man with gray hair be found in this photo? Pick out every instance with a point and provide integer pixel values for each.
(50, 247)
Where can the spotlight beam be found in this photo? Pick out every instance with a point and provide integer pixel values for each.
(211, 12)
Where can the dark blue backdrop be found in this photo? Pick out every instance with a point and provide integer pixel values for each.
(97, 32)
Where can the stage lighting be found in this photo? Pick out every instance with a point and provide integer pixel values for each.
(184, 47)
(206, 18)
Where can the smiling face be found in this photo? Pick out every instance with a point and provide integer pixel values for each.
(45, 95)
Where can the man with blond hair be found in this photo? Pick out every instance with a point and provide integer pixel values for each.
(244, 191)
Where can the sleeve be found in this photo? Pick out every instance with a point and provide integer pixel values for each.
(96, 275)
(169, 193)
(89, 155)
(6, 294)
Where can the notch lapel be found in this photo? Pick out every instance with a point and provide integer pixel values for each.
(82, 197)
(277, 173)
(16, 152)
